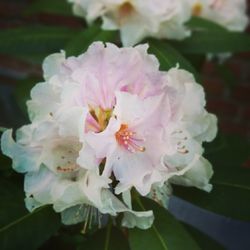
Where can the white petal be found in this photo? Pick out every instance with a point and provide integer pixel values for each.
(197, 176)
(38, 185)
(44, 101)
(24, 158)
(70, 121)
(92, 184)
(131, 218)
(87, 158)
(52, 64)
(132, 110)
(67, 194)
(104, 142)
(142, 220)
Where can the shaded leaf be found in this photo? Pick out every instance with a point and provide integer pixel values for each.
(110, 238)
(81, 42)
(22, 92)
(170, 57)
(199, 23)
(61, 7)
(214, 42)
(205, 242)
(18, 228)
(2, 129)
(34, 40)
(165, 234)
(231, 186)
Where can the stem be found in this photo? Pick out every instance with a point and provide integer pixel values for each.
(158, 235)
(108, 235)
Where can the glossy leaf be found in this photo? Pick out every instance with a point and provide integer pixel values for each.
(199, 23)
(61, 7)
(231, 186)
(214, 42)
(205, 242)
(165, 234)
(170, 57)
(110, 238)
(18, 228)
(81, 42)
(34, 40)
(22, 91)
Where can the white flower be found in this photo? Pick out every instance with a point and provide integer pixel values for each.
(106, 122)
(137, 19)
(231, 14)
(191, 126)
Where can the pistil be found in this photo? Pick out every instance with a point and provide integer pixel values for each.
(129, 139)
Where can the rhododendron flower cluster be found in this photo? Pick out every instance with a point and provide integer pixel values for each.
(230, 14)
(108, 122)
(139, 19)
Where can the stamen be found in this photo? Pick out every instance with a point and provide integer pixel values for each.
(97, 119)
(183, 151)
(91, 217)
(125, 10)
(197, 9)
(67, 168)
(129, 140)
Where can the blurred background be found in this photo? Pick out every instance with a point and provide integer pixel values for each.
(227, 87)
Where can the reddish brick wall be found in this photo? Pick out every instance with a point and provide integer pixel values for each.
(230, 103)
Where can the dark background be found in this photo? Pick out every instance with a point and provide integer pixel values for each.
(228, 93)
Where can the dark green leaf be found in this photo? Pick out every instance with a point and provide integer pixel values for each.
(34, 40)
(203, 240)
(110, 238)
(5, 168)
(231, 192)
(199, 23)
(61, 7)
(22, 92)
(170, 57)
(2, 129)
(81, 42)
(165, 234)
(18, 228)
(214, 42)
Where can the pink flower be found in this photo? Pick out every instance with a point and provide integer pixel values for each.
(105, 122)
(132, 144)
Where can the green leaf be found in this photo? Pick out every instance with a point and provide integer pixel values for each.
(81, 42)
(34, 40)
(199, 23)
(165, 234)
(170, 57)
(5, 169)
(61, 7)
(2, 129)
(110, 238)
(18, 228)
(205, 242)
(214, 42)
(231, 186)
(22, 92)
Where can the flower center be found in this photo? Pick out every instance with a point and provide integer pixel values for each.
(197, 9)
(129, 140)
(98, 119)
(124, 11)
